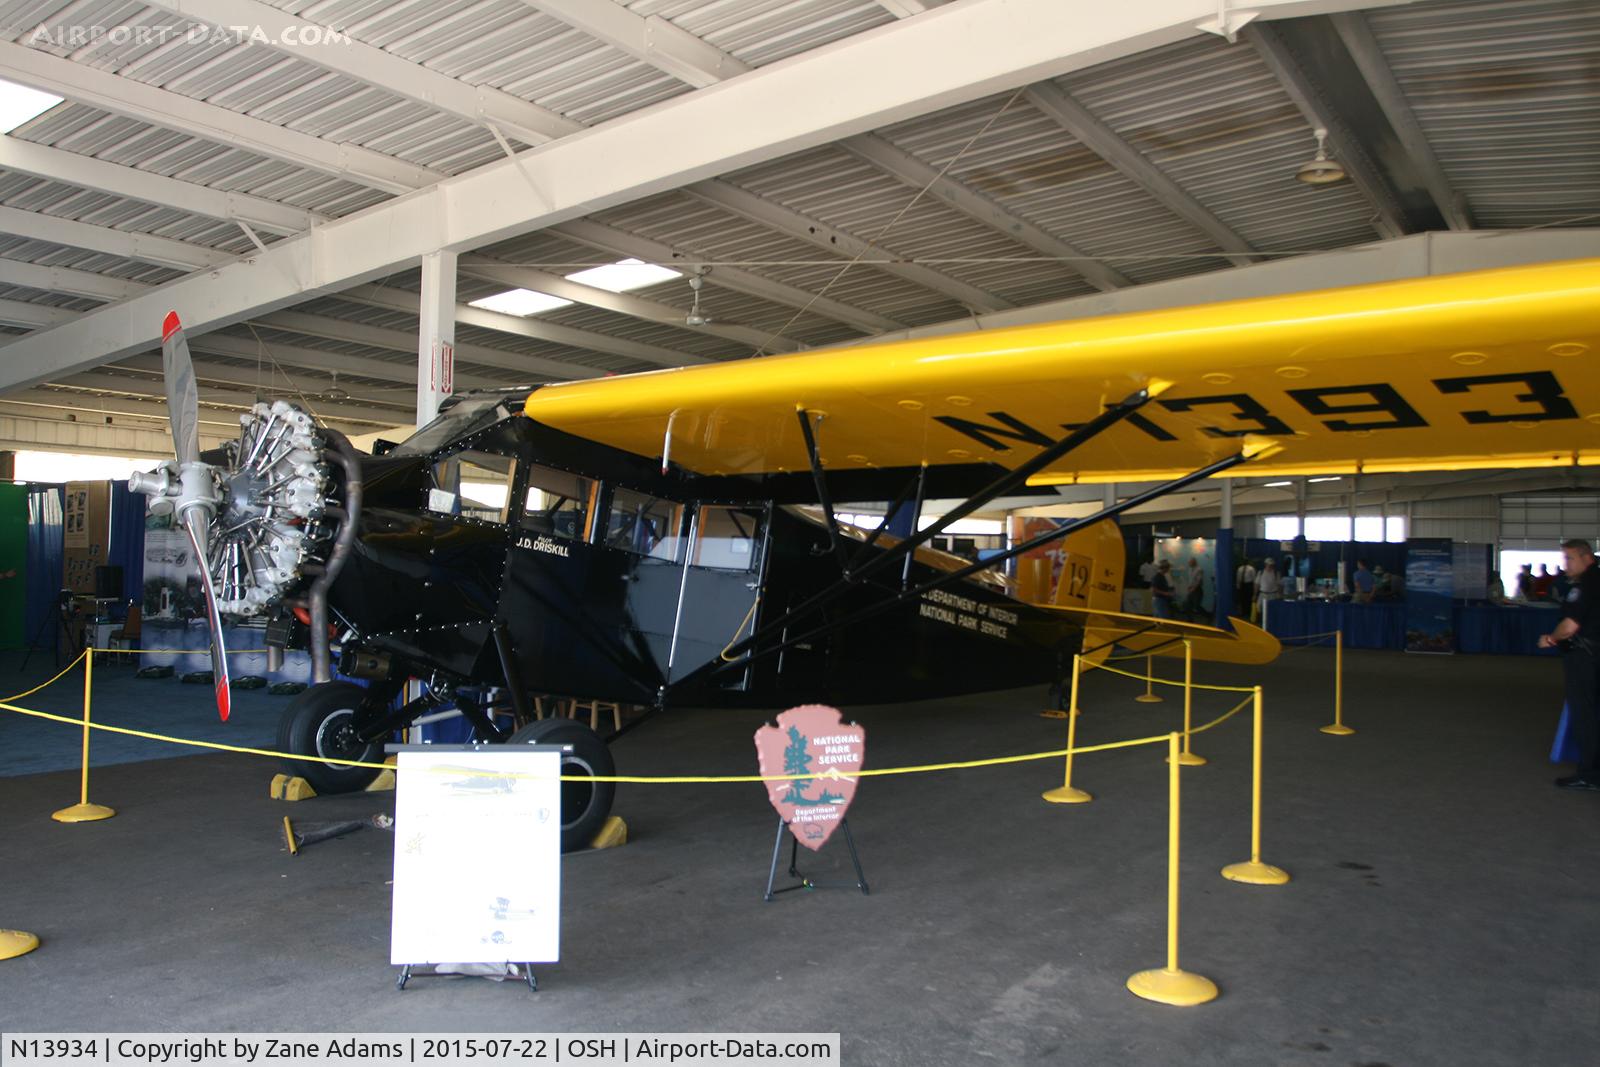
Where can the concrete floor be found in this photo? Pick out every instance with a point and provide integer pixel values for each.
(1443, 908)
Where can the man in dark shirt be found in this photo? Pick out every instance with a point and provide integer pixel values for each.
(1578, 636)
(1161, 591)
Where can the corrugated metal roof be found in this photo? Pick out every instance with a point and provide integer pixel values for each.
(1508, 94)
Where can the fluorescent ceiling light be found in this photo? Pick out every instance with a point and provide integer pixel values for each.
(19, 104)
(1330, 478)
(521, 302)
(1275, 485)
(624, 276)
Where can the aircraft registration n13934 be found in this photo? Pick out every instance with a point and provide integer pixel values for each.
(670, 538)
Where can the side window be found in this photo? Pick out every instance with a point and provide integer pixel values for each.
(726, 537)
(557, 503)
(645, 525)
(475, 485)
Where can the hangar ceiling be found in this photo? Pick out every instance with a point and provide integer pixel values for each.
(829, 170)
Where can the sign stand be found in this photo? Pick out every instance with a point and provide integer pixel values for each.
(806, 883)
(406, 974)
(459, 893)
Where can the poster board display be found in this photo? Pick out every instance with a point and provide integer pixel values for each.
(1430, 587)
(477, 854)
(86, 532)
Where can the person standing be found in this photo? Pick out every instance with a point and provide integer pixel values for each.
(1268, 586)
(1578, 637)
(1244, 583)
(1161, 591)
(1542, 583)
(1194, 591)
(1365, 583)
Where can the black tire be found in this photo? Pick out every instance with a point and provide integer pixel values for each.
(584, 805)
(317, 723)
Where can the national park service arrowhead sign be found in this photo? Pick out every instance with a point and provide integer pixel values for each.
(812, 740)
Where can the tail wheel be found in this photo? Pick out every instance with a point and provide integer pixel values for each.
(584, 805)
(320, 723)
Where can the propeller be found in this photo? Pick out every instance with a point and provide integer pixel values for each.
(189, 486)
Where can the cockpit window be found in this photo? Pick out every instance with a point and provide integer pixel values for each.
(466, 416)
(557, 502)
(645, 525)
(474, 485)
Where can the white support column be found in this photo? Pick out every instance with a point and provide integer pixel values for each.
(436, 334)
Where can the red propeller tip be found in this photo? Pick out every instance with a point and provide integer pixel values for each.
(224, 700)
(169, 326)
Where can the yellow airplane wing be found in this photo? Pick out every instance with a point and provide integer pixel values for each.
(1140, 634)
(1497, 368)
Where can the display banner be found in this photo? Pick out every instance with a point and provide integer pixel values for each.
(477, 854)
(174, 615)
(812, 739)
(1193, 575)
(1430, 587)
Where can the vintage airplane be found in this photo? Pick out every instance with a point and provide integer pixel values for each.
(670, 538)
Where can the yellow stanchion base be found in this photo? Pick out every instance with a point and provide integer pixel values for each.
(1337, 729)
(1189, 759)
(1180, 988)
(14, 943)
(1067, 794)
(1052, 714)
(288, 787)
(1150, 698)
(613, 833)
(1254, 873)
(83, 813)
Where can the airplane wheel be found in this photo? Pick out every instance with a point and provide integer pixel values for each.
(317, 722)
(584, 805)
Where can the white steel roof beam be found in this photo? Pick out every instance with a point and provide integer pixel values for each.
(693, 60)
(54, 164)
(243, 399)
(1379, 76)
(622, 303)
(373, 66)
(174, 111)
(1103, 141)
(812, 231)
(530, 367)
(1389, 219)
(650, 39)
(953, 55)
(32, 316)
(975, 205)
(527, 326)
(144, 247)
(619, 242)
(70, 282)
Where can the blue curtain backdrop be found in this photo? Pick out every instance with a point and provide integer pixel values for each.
(126, 549)
(45, 552)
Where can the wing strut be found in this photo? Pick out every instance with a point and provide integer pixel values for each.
(835, 538)
(893, 600)
(1006, 482)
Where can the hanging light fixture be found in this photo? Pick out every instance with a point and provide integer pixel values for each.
(1322, 170)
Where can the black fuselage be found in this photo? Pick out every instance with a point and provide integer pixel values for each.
(614, 581)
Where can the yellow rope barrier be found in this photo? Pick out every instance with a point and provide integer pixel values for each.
(993, 761)
(1164, 681)
(45, 685)
(176, 651)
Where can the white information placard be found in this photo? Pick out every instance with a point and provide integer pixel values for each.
(477, 854)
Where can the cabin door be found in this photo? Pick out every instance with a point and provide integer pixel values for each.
(721, 588)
